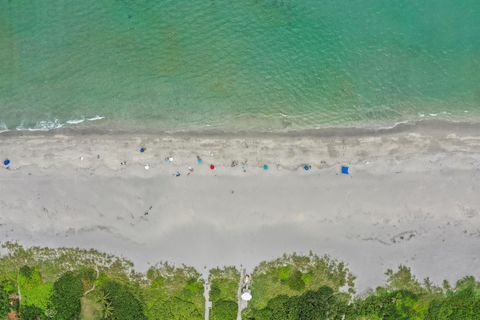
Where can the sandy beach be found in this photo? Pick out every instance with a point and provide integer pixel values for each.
(412, 196)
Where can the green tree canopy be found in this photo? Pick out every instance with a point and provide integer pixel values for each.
(403, 279)
(319, 304)
(323, 303)
(67, 292)
(124, 304)
(295, 281)
(28, 312)
(4, 303)
(224, 310)
(461, 303)
(397, 304)
(26, 271)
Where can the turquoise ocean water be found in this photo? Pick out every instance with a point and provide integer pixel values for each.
(256, 64)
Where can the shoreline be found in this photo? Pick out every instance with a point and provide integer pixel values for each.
(411, 197)
(417, 126)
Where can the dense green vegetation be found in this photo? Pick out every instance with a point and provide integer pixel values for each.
(52, 283)
(291, 275)
(174, 293)
(402, 298)
(34, 290)
(4, 303)
(85, 284)
(223, 293)
(65, 300)
(121, 302)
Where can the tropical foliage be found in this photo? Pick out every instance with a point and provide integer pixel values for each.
(65, 300)
(223, 293)
(402, 298)
(174, 293)
(294, 274)
(123, 303)
(47, 284)
(4, 303)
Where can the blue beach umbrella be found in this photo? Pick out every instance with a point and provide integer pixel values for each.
(344, 170)
(307, 167)
(6, 162)
(142, 149)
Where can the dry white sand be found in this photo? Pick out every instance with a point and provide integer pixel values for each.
(413, 197)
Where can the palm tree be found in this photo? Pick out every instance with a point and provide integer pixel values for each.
(107, 311)
(107, 308)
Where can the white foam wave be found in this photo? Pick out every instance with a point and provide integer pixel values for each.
(3, 127)
(75, 121)
(394, 125)
(43, 125)
(97, 117)
(46, 125)
(21, 127)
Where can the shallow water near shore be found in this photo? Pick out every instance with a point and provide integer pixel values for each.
(267, 64)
